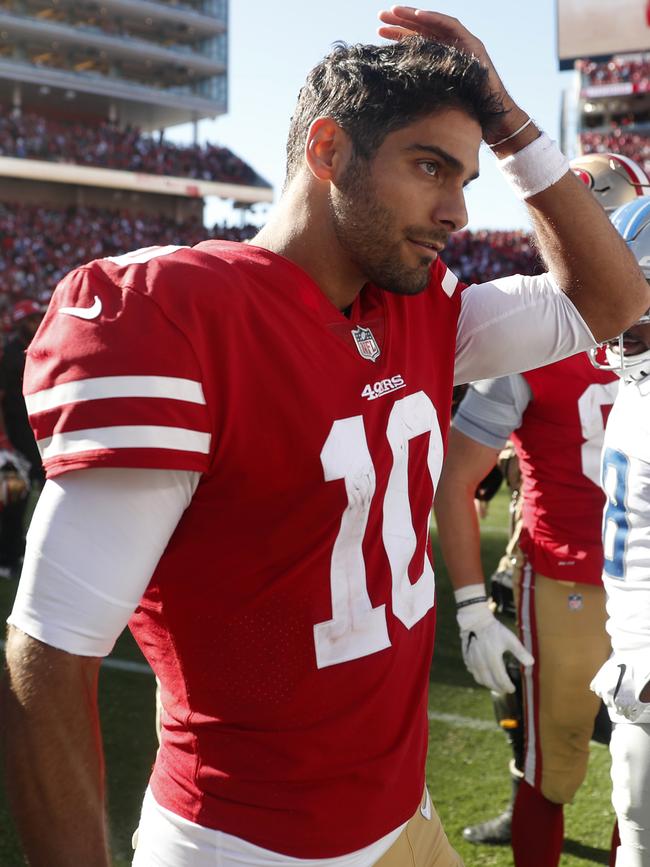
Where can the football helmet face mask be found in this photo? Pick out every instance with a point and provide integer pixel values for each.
(613, 179)
(632, 221)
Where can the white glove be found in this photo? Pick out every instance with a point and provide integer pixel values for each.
(620, 682)
(484, 640)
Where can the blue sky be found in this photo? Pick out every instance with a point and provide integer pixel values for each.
(274, 44)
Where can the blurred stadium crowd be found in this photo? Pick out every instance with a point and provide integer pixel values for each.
(618, 70)
(38, 246)
(621, 127)
(106, 145)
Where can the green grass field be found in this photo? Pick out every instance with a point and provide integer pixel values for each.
(468, 755)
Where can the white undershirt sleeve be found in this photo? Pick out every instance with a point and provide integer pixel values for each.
(93, 544)
(492, 409)
(514, 324)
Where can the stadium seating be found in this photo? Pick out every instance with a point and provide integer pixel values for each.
(485, 255)
(38, 246)
(619, 140)
(106, 145)
(618, 70)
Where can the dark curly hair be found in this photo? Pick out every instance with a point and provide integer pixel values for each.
(373, 90)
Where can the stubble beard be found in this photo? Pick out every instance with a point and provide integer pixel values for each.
(366, 230)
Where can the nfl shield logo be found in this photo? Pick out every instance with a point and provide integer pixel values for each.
(575, 601)
(366, 343)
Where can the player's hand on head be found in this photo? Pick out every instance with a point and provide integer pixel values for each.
(484, 641)
(401, 21)
(621, 682)
(398, 22)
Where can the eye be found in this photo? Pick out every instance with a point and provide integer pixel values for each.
(430, 167)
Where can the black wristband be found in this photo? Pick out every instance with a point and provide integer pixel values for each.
(467, 602)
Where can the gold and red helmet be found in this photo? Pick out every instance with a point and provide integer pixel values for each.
(614, 180)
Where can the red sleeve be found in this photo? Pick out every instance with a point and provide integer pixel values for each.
(111, 381)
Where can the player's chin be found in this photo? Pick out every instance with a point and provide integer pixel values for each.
(401, 276)
(414, 279)
(413, 285)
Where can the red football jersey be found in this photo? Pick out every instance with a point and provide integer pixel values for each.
(290, 620)
(559, 445)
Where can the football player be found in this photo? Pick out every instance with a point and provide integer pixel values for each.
(555, 417)
(624, 680)
(559, 430)
(242, 443)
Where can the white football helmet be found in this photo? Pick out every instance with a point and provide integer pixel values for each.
(613, 179)
(632, 221)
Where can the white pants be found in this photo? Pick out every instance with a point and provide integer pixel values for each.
(630, 750)
(167, 840)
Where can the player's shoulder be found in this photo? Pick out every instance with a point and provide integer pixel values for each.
(150, 269)
(178, 280)
(445, 280)
(577, 370)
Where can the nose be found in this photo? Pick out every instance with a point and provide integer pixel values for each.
(450, 209)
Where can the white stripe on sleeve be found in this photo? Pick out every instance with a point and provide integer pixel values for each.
(124, 437)
(105, 387)
(145, 254)
(449, 282)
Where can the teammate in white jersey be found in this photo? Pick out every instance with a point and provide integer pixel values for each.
(623, 682)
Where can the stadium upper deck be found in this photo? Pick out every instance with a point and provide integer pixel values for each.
(614, 106)
(145, 62)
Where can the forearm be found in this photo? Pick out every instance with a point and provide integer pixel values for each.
(466, 464)
(588, 258)
(53, 754)
(459, 535)
(483, 639)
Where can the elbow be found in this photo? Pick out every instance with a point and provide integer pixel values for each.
(638, 304)
(35, 668)
(18, 650)
(24, 661)
(618, 311)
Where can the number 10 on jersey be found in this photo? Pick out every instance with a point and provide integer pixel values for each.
(357, 628)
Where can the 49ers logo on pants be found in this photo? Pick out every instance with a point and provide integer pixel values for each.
(366, 343)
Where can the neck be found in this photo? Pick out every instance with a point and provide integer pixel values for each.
(300, 229)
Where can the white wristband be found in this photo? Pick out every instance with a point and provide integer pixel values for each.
(470, 591)
(535, 167)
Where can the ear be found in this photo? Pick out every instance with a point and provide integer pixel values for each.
(327, 149)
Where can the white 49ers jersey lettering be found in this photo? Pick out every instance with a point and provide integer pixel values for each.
(382, 387)
(357, 628)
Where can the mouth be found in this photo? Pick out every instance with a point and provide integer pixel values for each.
(631, 346)
(429, 248)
